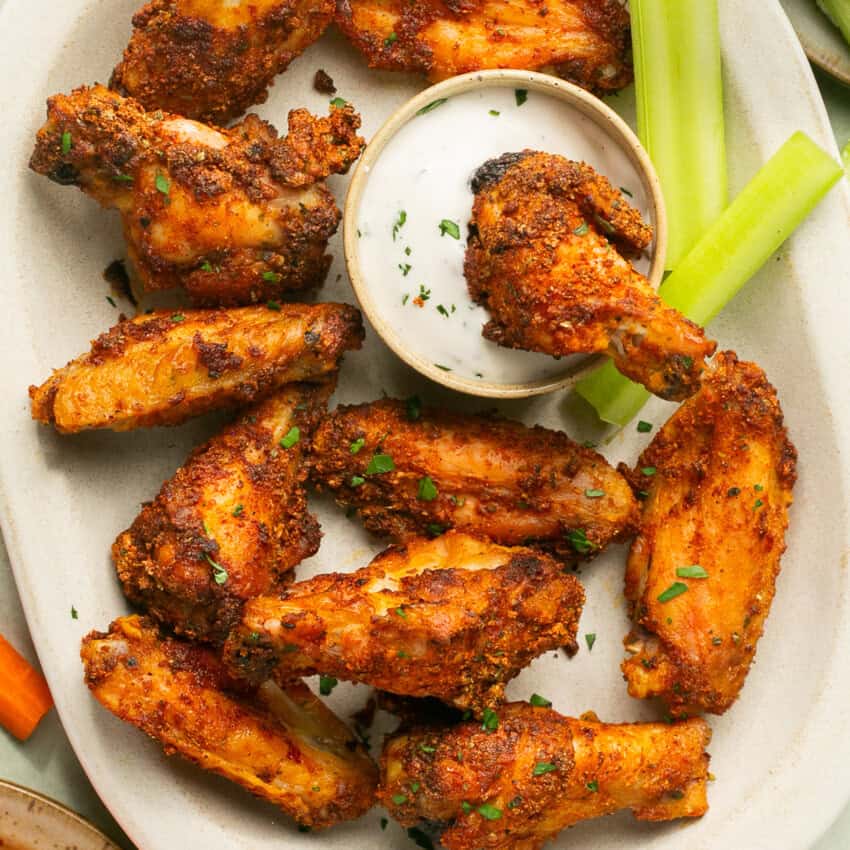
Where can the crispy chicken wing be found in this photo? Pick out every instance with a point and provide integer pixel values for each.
(285, 745)
(479, 474)
(234, 216)
(719, 477)
(519, 784)
(163, 368)
(231, 524)
(584, 41)
(547, 256)
(454, 618)
(212, 59)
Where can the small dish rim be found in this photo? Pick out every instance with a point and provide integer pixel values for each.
(609, 121)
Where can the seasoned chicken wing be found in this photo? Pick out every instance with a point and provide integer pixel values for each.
(285, 745)
(584, 41)
(454, 618)
(518, 780)
(235, 216)
(231, 524)
(163, 368)
(548, 250)
(412, 471)
(212, 59)
(702, 572)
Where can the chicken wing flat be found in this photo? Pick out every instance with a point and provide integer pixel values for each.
(234, 216)
(548, 250)
(163, 368)
(212, 59)
(415, 471)
(517, 781)
(702, 572)
(231, 524)
(584, 41)
(284, 746)
(453, 618)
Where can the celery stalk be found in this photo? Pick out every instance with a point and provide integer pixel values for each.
(838, 11)
(735, 247)
(679, 92)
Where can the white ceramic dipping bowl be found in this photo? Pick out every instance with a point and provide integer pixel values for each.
(413, 176)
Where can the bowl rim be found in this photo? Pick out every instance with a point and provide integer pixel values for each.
(592, 107)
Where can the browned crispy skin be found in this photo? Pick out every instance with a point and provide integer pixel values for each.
(548, 250)
(493, 477)
(284, 746)
(584, 41)
(453, 618)
(234, 216)
(719, 499)
(163, 368)
(539, 773)
(231, 523)
(210, 59)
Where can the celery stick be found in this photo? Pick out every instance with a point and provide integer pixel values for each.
(679, 91)
(740, 242)
(838, 11)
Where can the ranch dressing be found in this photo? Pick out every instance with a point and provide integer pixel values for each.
(418, 199)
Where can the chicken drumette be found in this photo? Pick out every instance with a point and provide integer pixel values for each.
(283, 745)
(235, 216)
(702, 572)
(584, 41)
(515, 782)
(548, 250)
(453, 618)
(212, 59)
(163, 368)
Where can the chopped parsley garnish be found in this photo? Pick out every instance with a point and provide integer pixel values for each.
(540, 702)
(66, 143)
(415, 786)
(578, 540)
(400, 612)
(489, 812)
(206, 266)
(464, 805)
(292, 437)
(74, 614)
(426, 749)
(380, 464)
(111, 300)
(401, 654)
(495, 113)
(326, 685)
(687, 363)
(675, 589)
(444, 368)
(427, 491)
(405, 298)
(405, 269)
(273, 305)
(357, 445)
(694, 571)
(593, 785)
(413, 407)
(759, 503)
(489, 720)
(178, 317)
(758, 488)
(357, 481)
(162, 184)
(271, 277)
(443, 311)
(591, 639)
(432, 106)
(122, 178)
(644, 427)
(625, 191)
(237, 511)
(399, 223)
(594, 494)
(543, 767)
(452, 228)
(219, 572)
(521, 96)
(435, 529)
(384, 823)
(399, 799)
(581, 229)
(424, 292)
(420, 838)
(517, 801)
(339, 102)
(649, 471)
(408, 251)
(391, 39)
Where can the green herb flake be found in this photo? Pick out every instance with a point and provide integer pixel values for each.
(206, 266)
(521, 96)
(219, 572)
(540, 702)
(384, 823)
(413, 408)
(427, 491)
(178, 317)
(443, 311)
(426, 749)
(593, 785)
(399, 223)
(273, 305)
(591, 639)
(759, 503)
(649, 471)
(292, 437)
(162, 184)
(111, 300)
(237, 511)
(326, 685)
(399, 799)
(414, 787)
(434, 104)
(489, 720)
(644, 427)
(733, 491)
(400, 612)
(758, 488)
(543, 767)
(594, 494)
(401, 654)
(435, 529)
(424, 292)
(581, 229)
(357, 445)
(74, 614)
(464, 805)
(122, 178)
(694, 571)
(271, 277)
(339, 102)
(391, 39)
(450, 228)
(66, 143)
(495, 113)
(578, 540)
(443, 368)
(489, 812)
(405, 269)
(675, 589)
(357, 481)
(380, 464)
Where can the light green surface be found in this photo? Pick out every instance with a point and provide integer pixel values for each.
(47, 763)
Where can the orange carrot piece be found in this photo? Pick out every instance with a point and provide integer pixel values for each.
(24, 697)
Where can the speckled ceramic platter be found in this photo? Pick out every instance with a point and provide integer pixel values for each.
(781, 756)
(821, 40)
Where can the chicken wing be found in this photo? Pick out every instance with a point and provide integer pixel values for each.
(163, 368)
(702, 572)
(231, 524)
(235, 216)
(547, 255)
(517, 781)
(212, 59)
(284, 746)
(412, 471)
(454, 618)
(584, 41)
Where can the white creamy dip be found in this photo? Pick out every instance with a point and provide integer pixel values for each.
(422, 178)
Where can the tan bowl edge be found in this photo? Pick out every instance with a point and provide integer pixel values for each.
(593, 108)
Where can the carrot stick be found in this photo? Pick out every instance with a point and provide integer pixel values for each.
(24, 697)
